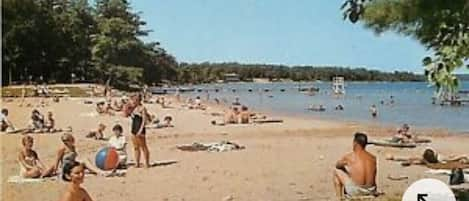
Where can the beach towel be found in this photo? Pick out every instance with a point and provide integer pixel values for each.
(21, 180)
(448, 173)
(222, 146)
(262, 121)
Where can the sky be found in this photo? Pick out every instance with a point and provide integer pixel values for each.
(300, 32)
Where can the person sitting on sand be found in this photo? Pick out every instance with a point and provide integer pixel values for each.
(244, 115)
(67, 155)
(36, 123)
(403, 135)
(6, 125)
(74, 173)
(97, 134)
(231, 117)
(429, 156)
(49, 124)
(355, 173)
(29, 162)
(119, 143)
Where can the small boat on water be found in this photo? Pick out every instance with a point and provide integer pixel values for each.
(309, 89)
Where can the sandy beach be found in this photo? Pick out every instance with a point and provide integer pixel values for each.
(285, 161)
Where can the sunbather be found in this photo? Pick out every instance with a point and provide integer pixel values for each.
(429, 156)
(67, 155)
(36, 123)
(97, 134)
(244, 115)
(119, 143)
(355, 173)
(403, 135)
(6, 125)
(29, 162)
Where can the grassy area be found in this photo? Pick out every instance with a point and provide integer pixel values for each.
(16, 92)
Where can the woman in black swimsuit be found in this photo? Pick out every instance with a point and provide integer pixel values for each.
(139, 118)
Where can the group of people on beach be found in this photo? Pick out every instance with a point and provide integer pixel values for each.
(67, 165)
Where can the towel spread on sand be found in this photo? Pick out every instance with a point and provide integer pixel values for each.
(448, 172)
(211, 147)
(21, 180)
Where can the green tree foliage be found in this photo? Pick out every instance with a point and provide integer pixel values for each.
(54, 39)
(440, 25)
(211, 72)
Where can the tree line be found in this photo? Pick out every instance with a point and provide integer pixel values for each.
(211, 72)
(71, 40)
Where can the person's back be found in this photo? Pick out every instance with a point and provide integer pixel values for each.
(362, 168)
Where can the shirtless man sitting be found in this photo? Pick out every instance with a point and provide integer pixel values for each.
(355, 173)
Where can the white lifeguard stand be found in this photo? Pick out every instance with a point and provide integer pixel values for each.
(338, 85)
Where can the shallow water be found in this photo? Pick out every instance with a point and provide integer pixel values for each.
(412, 102)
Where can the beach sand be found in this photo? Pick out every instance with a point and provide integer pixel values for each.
(282, 162)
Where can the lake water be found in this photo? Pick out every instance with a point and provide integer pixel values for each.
(412, 102)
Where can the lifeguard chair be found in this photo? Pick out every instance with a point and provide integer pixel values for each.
(338, 85)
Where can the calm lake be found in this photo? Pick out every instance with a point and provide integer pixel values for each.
(412, 102)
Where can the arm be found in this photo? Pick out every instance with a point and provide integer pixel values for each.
(60, 154)
(341, 163)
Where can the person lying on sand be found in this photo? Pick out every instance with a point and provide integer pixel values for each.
(197, 104)
(119, 143)
(429, 156)
(74, 173)
(97, 134)
(29, 162)
(6, 125)
(67, 155)
(355, 173)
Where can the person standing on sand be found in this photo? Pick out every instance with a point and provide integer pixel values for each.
(355, 173)
(74, 173)
(374, 111)
(139, 119)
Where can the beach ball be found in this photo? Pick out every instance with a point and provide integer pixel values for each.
(107, 158)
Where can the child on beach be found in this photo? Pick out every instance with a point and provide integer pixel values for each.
(30, 165)
(37, 121)
(97, 134)
(49, 124)
(119, 143)
(67, 155)
(6, 125)
(74, 173)
(244, 115)
(403, 135)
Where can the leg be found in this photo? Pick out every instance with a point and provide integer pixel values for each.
(339, 179)
(144, 147)
(49, 172)
(136, 144)
(32, 173)
(93, 169)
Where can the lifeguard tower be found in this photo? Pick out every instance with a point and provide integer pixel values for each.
(338, 85)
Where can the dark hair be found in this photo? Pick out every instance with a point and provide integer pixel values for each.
(361, 139)
(244, 108)
(5, 111)
(168, 118)
(117, 127)
(67, 169)
(430, 156)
